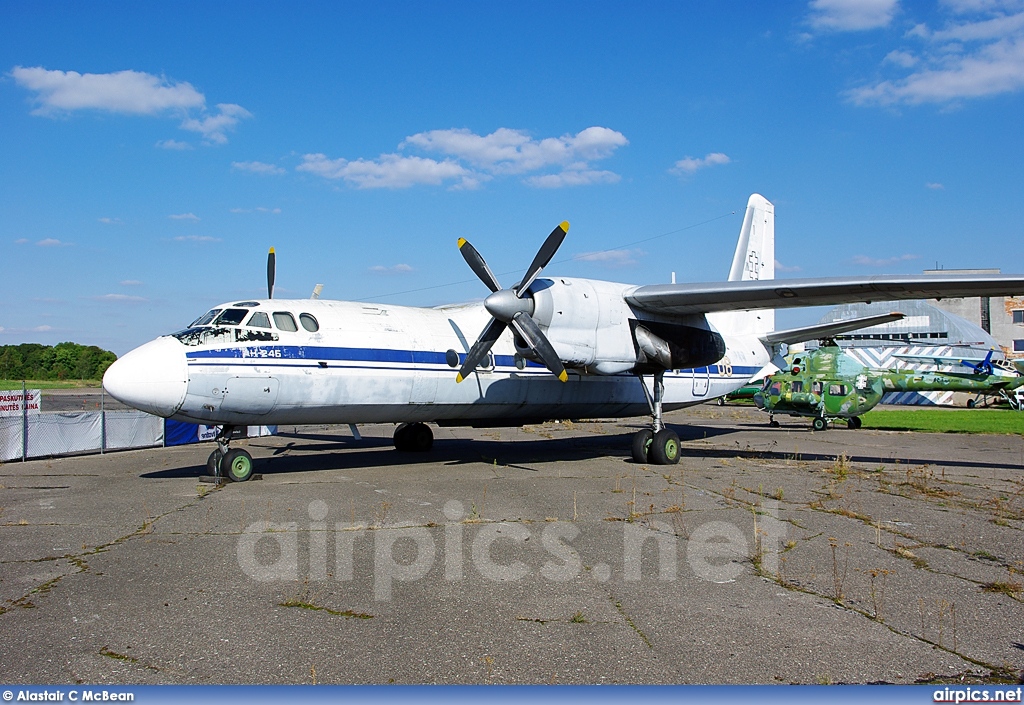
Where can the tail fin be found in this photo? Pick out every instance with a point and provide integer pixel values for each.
(754, 259)
(755, 250)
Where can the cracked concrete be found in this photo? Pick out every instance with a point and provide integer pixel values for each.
(523, 556)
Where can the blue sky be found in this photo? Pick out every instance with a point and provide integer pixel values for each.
(153, 152)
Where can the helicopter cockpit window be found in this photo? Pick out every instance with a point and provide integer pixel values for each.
(798, 387)
(231, 317)
(205, 319)
(775, 389)
(308, 322)
(259, 320)
(837, 390)
(285, 321)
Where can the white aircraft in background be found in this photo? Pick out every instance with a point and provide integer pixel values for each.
(550, 348)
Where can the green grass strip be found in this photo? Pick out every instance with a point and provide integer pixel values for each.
(930, 420)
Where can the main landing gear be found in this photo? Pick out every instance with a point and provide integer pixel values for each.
(656, 445)
(236, 465)
(414, 438)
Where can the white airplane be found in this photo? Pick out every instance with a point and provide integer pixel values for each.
(577, 348)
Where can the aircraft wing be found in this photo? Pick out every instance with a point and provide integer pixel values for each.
(827, 330)
(681, 299)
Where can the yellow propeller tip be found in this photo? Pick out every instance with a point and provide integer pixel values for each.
(565, 225)
(462, 241)
(459, 378)
(271, 250)
(563, 377)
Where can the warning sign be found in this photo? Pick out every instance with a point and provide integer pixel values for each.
(14, 403)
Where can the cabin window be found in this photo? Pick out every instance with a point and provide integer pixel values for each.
(231, 317)
(816, 388)
(205, 319)
(798, 387)
(285, 321)
(1018, 316)
(259, 320)
(308, 322)
(837, 390)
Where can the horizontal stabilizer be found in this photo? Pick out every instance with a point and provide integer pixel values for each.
(827, 330)
(683, 299)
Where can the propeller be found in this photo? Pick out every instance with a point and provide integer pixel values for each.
(982, 368)
(271, 272)
(513, 307)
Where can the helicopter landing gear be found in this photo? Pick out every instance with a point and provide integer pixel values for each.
(853, 422)
(772, 422)
(656, 445)
(819, 423)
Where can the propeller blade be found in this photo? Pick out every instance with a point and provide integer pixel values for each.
(271, 272)
(477, 264)
(544, 255)
(480, 348)
(530, 332)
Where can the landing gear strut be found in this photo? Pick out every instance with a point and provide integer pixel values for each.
(414, 438)
(656, 445)
(236, 465)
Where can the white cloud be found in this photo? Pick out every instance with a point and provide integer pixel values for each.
(257, 168)
(196, 238)
(471, 159)
(52, 242)
(118, 298)
(979, 53)
(129, 93)
(131, 282)
(257, 209)
(690, 164)
(866, 261)
(612, 259)
(780, 267)
(111, 221)
(851, 15)
(191, 217)
(173, 144)
(396, 269)
(21, 241)
(388, 171)
(213, 127)
(934, 186)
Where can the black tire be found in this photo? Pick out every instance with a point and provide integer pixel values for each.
(853, 422)
(819, 424)
(421, 438)
(402, 438)
(641, 444)
(721, 401)
(236, 465)
(971, 403)
(213, 463)
(773, 423)
(664, 448)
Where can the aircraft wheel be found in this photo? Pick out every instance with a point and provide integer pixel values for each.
(213, 462)
(853, 422)
(421, 438)
(774, 424)
(641, 445)
(819, 424)
(402, 438)
(721, 401)
(237, 465)
(971, 403)
(664, 448)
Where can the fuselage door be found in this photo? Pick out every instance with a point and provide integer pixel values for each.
(701, 381)
(250, 395)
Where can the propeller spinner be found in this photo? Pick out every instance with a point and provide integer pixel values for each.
(513, 307)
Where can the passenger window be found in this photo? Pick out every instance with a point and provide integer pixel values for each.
(259, 320)
(231, 317)
(798, 387)
(308, 322)
(284, 321)
(837, 390)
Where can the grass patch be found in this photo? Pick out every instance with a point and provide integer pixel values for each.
(349, 614)
(8, 385)
(999, 421)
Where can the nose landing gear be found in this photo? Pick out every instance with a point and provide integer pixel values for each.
(235, 465)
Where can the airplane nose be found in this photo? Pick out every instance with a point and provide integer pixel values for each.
(151, 378)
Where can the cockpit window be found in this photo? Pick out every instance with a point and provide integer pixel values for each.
(206, 319)
(285, 321)
(231, 317)
(259, 320)
(308, 322)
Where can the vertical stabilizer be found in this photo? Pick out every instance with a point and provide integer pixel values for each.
(754, 260)
(755, 250)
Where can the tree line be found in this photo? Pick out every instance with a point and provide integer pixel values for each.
(49, 362)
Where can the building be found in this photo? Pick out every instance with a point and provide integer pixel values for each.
(1000, 316)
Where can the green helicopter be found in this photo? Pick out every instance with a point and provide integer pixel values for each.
(827, 384)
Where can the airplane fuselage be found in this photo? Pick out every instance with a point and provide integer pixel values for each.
(311, 361)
